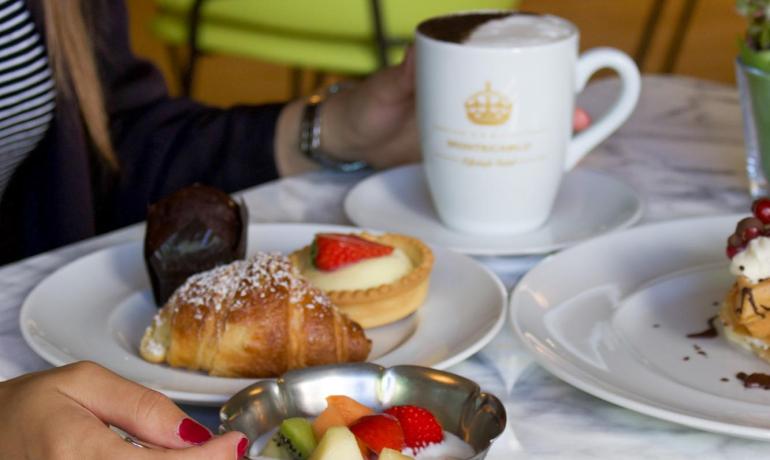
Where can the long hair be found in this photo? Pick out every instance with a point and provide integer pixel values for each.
(71, 51)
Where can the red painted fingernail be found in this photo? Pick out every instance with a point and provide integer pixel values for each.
(243, 444)
(193, 432)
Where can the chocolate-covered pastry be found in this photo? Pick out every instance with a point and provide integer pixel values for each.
(190, 231)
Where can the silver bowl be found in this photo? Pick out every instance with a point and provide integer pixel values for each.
(459, 405)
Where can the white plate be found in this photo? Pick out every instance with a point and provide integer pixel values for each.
(589, 313)
(97, 308)
(588, 204)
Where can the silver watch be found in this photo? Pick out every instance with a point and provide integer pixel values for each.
(310, 136)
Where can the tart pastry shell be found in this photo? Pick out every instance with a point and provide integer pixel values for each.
(389, 302)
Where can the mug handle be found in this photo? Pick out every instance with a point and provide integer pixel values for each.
(588, 63)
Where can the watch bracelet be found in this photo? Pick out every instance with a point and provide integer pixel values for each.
(310, 135)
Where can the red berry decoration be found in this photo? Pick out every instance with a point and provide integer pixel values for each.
(331, 251)
(735, 240)
(761, 209)
(420, 426)
(745, 225)
(750, 233)
(731, 251)
(378, 432)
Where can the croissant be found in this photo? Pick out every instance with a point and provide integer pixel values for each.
(251, 318)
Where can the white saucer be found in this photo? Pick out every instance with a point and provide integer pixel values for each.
(588, 204)
(97, 308)
(611, 317)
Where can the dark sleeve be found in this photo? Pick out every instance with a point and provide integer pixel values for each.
(165, 143)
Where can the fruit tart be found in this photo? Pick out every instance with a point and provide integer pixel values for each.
(374, 279)
(745, 312)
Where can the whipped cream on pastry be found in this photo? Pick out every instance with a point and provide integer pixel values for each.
(754, 261)
(361, 275)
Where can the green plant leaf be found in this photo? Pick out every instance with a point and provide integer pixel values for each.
(758, 29)
(753, 58)
(764, 37)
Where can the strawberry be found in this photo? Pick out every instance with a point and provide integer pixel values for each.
(331, 251)
(420, 426)
(761, 209)
(378, 432)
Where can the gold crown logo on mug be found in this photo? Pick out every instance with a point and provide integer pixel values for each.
(495, 98)
(488, 107)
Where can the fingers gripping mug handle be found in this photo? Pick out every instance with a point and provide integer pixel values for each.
(588, 63)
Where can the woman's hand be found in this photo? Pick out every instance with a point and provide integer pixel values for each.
(63, 413)
(581, 120)
(373, 121)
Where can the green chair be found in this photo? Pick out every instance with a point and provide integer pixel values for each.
(353, 37)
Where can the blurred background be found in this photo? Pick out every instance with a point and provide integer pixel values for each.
(255, 51)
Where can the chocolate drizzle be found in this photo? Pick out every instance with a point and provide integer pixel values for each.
(756, 308)
(755, 380)
(744, 292)
(709, 333)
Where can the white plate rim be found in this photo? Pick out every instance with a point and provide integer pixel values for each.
(533, 250)
(565, 370)
(57, 359)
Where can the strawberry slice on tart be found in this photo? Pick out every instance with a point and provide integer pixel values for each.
(374, 279)
(331, 251)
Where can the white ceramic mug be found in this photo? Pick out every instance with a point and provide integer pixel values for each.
(496, 123)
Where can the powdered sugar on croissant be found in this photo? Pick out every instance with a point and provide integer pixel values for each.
(252, 318)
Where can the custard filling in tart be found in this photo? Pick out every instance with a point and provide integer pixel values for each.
(362, 275)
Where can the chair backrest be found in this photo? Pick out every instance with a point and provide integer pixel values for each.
(328, 35)
(348, 19)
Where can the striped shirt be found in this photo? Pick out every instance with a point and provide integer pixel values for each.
(27, 92)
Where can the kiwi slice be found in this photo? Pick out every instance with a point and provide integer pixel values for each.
(294, 439)
(273, 451)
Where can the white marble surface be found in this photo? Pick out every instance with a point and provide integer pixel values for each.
(682, 151)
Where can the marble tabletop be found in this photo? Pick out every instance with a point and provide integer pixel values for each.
(682, 151)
